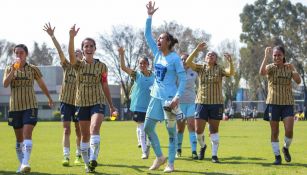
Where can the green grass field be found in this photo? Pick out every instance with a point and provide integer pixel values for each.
(244, 149)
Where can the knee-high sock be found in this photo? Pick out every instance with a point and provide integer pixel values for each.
(84, 147)
(149, 128)
(201, 139)
(287, 142)
(215, 139)
(172, 134)
(78, 151)
(66, 152)
(138, 134)
(27, 148)
(275, 147)
(19, 147)
(179, 138)
(94, 146)
(142, 137)
(193, 141)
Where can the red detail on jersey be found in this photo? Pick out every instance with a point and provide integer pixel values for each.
(104, 77)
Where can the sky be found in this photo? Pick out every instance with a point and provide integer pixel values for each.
(22, 21)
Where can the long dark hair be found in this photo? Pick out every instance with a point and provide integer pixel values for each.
(173, 40)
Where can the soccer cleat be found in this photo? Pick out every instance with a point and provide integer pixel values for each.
(169, 168)
(144, 156)
(286, 154)
(277, 160)
(78, 160)
(92, 165)
(87, 169)
(25, 168)
(139, 145)
(178, 154)
(158, 162)
(194, 155)
(65, 161)
(215, 159)
(202, 153)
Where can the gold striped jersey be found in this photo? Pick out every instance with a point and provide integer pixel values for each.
(279, 85)
(68, 89)
(89, 83)
(22, 87)
(209, 84)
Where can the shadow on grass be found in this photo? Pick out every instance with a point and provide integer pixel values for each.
(135, 167)
(247, 160)
(36, 173)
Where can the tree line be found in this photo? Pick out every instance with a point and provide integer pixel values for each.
(278, 22)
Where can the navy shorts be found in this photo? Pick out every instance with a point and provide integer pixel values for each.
(68, 112)
(139, 116)
(209, 111)
(278, 112)
(19, 118)
(85, 113)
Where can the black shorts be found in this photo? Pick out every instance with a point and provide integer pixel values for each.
(68, 112)
(19, 118)
(209, 111)
(85, 113)
(278, 112)
(139, 116)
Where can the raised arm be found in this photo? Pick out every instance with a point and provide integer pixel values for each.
(263, 70)
(71, 46)
(230, 71)
(50, 31)
(148, 34)
(121, 52)
(190, 59)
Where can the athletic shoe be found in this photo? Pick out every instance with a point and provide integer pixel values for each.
(78, 160)
(65, 161)
(194, 155)
(25, 168)
(87, 169)
(277, 160)
(158, 162)
(139, 145)
(286, 154)
(92, 165)
(178, 154)
(202, 153)
(215, 159)
(169, 168)
(144, 156)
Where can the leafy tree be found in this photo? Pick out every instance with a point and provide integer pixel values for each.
(41, 55)
(268, 24)
(6, 53)
(133, 41)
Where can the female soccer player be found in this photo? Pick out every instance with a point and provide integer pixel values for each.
(140, 95)
(23, 105)
(164, 94)
(280, 99)
(209, 99)
(92, 93)
(67, 99)
(187, 105)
